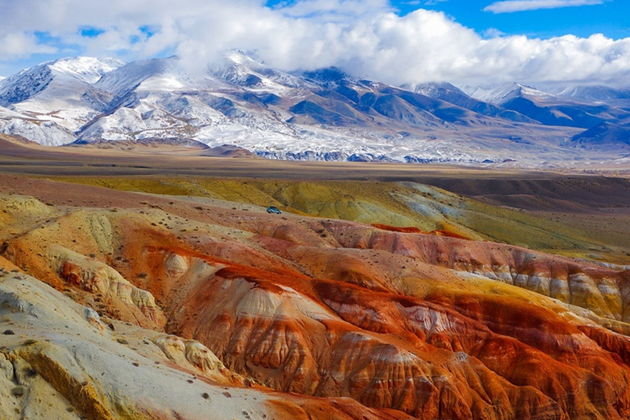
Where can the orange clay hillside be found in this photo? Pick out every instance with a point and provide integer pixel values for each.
(412, 229)
(197, 306)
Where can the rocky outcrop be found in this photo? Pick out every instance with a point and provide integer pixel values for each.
(597, 287)
(59, 362)
(194, 356)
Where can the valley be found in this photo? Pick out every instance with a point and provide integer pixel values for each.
(131, 290)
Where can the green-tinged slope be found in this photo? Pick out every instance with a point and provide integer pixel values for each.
(397, 204)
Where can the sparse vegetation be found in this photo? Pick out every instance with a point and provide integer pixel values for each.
(425, 208)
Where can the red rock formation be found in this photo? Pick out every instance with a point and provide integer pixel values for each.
(293, 333)
(401, 229)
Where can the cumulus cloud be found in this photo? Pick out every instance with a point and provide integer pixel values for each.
(508, 6)
(365, 38)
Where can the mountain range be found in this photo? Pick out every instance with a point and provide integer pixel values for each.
(317, 115)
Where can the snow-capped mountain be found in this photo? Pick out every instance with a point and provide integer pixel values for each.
(452, 94)
(503, 92)
(61, 94)
(585, 107)
(595, 93)
(323, 114)
(56, 80)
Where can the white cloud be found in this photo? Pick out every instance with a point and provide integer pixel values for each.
(19, 44)
(365, 38)
(335, 9)
(508, 6)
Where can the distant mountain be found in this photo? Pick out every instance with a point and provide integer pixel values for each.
(65, 82)
(498, 93)
(596, 93)
(575, 106)
(323, 114)
(604, 135)
(60, 94)
(452, 94)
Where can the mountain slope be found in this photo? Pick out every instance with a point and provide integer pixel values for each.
(452, 94)
(573, 106)
(596, 93)
(60, 93)
(604, 135)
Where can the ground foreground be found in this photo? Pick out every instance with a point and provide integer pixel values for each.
(181, 298)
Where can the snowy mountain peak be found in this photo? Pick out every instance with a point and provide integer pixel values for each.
(24, 84)
(151, 74)
(243, 59)
(530, 91)
(34, 80)
(87, 69)
(328, 75)
(497, 94)
(242, 69)
(434, 89)
(239, 69)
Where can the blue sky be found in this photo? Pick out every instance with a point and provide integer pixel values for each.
(612, 18)
(465, 41)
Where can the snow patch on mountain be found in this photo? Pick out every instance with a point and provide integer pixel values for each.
(498, 94)
(87, 69)
(46, 133)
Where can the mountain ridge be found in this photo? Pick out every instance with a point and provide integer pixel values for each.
(324, 114)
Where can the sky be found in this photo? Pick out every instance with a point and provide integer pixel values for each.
(398, 41)
(612, 18)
